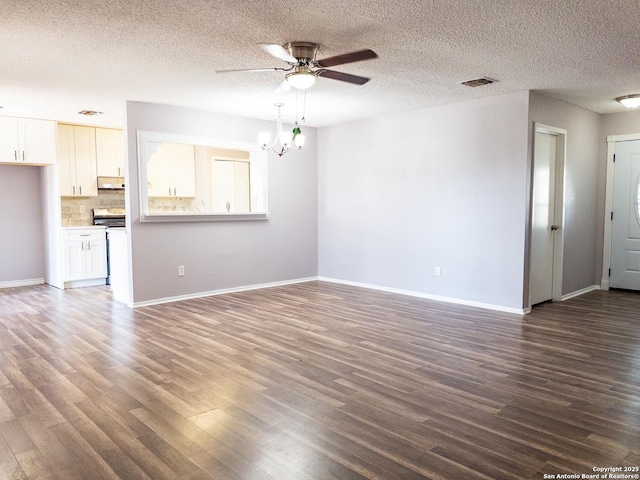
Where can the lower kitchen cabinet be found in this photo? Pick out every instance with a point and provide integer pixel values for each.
(85, 256)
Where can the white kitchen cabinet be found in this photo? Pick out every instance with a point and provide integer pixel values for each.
(109, 148)
(85, 255)
(171, 171)
(26, 141)
(77, 160)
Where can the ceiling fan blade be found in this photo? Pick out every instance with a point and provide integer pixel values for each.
(343, 77)
(285, 86)
(347, 58)
(250, 70)
(279, 52)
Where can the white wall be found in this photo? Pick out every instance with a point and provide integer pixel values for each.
(21, 217)
(447, 186)
(582, 217)
(620, 123)
(221, 255)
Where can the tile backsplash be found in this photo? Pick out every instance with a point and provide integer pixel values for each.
(174, 204)
(72, 215)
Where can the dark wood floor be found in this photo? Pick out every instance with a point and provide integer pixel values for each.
(314, 381)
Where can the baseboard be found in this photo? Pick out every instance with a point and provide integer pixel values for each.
(22, 283)
(577, 293)
(438, 298)
(411, 293)
(210, 293)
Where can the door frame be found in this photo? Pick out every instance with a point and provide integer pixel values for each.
(558, 237)
(608, 204)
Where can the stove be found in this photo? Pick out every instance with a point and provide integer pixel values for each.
(109, 217)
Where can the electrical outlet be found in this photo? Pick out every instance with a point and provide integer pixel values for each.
(83, 209)
(437, 271)
(181, 270)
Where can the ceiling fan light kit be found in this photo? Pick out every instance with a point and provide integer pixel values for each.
(301, 79)
(630, 101)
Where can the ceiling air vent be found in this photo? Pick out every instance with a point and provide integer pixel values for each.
(478, 82)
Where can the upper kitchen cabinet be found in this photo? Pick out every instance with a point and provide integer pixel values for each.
(171, 171)
(109, 148)
(77, 160)
(26, 141)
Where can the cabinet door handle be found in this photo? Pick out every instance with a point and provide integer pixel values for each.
(23, 155)
(174, 191)
(80, 189)
(74, 189)
(15, 155)
(89, 245)
(82, 245)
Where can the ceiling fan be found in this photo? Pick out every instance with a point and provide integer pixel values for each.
(303, 67)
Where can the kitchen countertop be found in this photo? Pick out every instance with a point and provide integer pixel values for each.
(80, 227)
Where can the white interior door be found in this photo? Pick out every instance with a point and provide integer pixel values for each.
(223, 186)
(545, 266)
(242, 186)
(231, 185)
(625, 229)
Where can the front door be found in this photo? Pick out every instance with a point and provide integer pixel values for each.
(625, 229)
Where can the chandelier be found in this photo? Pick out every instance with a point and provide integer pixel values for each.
(288, 140)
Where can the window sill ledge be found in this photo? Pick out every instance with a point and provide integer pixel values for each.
(202, 217)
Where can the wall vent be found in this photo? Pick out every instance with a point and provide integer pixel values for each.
(478, 82)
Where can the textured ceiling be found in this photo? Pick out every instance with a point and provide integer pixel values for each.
(59, 57)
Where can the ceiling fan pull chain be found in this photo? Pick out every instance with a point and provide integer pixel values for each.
(304, 105)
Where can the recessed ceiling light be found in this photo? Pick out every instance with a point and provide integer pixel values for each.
(89, 112)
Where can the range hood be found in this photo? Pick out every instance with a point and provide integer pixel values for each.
(110, 183)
